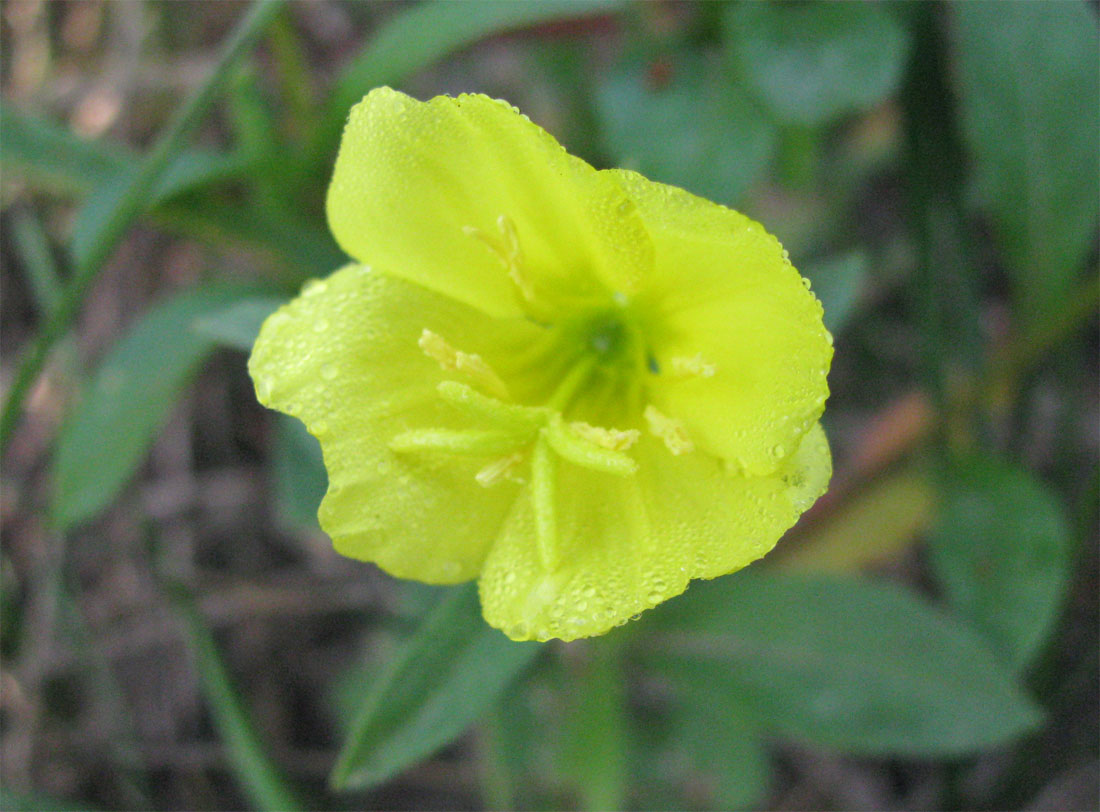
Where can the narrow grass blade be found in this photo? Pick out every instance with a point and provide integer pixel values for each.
(125, 207)
(440, 682)
(260, 779)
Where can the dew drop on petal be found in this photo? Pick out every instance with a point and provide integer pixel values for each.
(329, 371)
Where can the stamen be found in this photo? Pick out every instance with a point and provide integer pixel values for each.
(669, 430)
(482, 406)
(543, 477)
(477, 443)
(473, 366)
(694, 367)
(579, 451)
(614, 439)
(505, 467)
(508, 251)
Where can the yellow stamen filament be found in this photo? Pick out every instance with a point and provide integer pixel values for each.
(669, 430)
(614, 439)
(471, 365)
(694, 367)
(505, 467)
(508, 251)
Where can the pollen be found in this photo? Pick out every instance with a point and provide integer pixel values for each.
(693, 367)
(614, 439)
(507, 249)
(471, 365)
(503, 468)
(669, 430)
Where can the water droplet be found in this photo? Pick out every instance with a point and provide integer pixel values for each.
(590, 592)
(654, 596)
(320, 427)
(777, 450)
(329, 371)
(510, 578)
(805, 283)
(518, 631)
(320, 325)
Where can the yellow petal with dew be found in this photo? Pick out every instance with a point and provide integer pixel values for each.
(469, 198)
(627, 543)
(345, 358)
(736, 335)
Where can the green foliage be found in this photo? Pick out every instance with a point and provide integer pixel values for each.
(1028, 85)
(837, 283)
(260, 779)
(720, 745)
(727, 148)
(847, 663)
(300, 479)
(811, 62)
(439, 682)
(127, 400)
(237, 325)
(594, 737)
(1001, 552)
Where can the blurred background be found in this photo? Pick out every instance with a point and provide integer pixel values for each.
(175, 631)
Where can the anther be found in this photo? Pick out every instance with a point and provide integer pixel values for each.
(473, 366)
(613, 439)
(694, 367)
(670, 430)
(508, 250)
(503, 468)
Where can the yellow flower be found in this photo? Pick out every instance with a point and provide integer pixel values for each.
(581, 387)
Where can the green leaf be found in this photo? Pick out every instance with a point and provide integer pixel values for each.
(1001, 553)
(440, 682)
(53, 156)
(838, 282)
(861, 666)
(696, 132)
(108, 432)
(812, 62)
(723, 746)
(299, 472)
(1030, 107)
(258, 776)
(237, 325)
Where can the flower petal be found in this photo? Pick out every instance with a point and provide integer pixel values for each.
(419, 189)
(724, 300)
(344, 358)
(629, 543)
